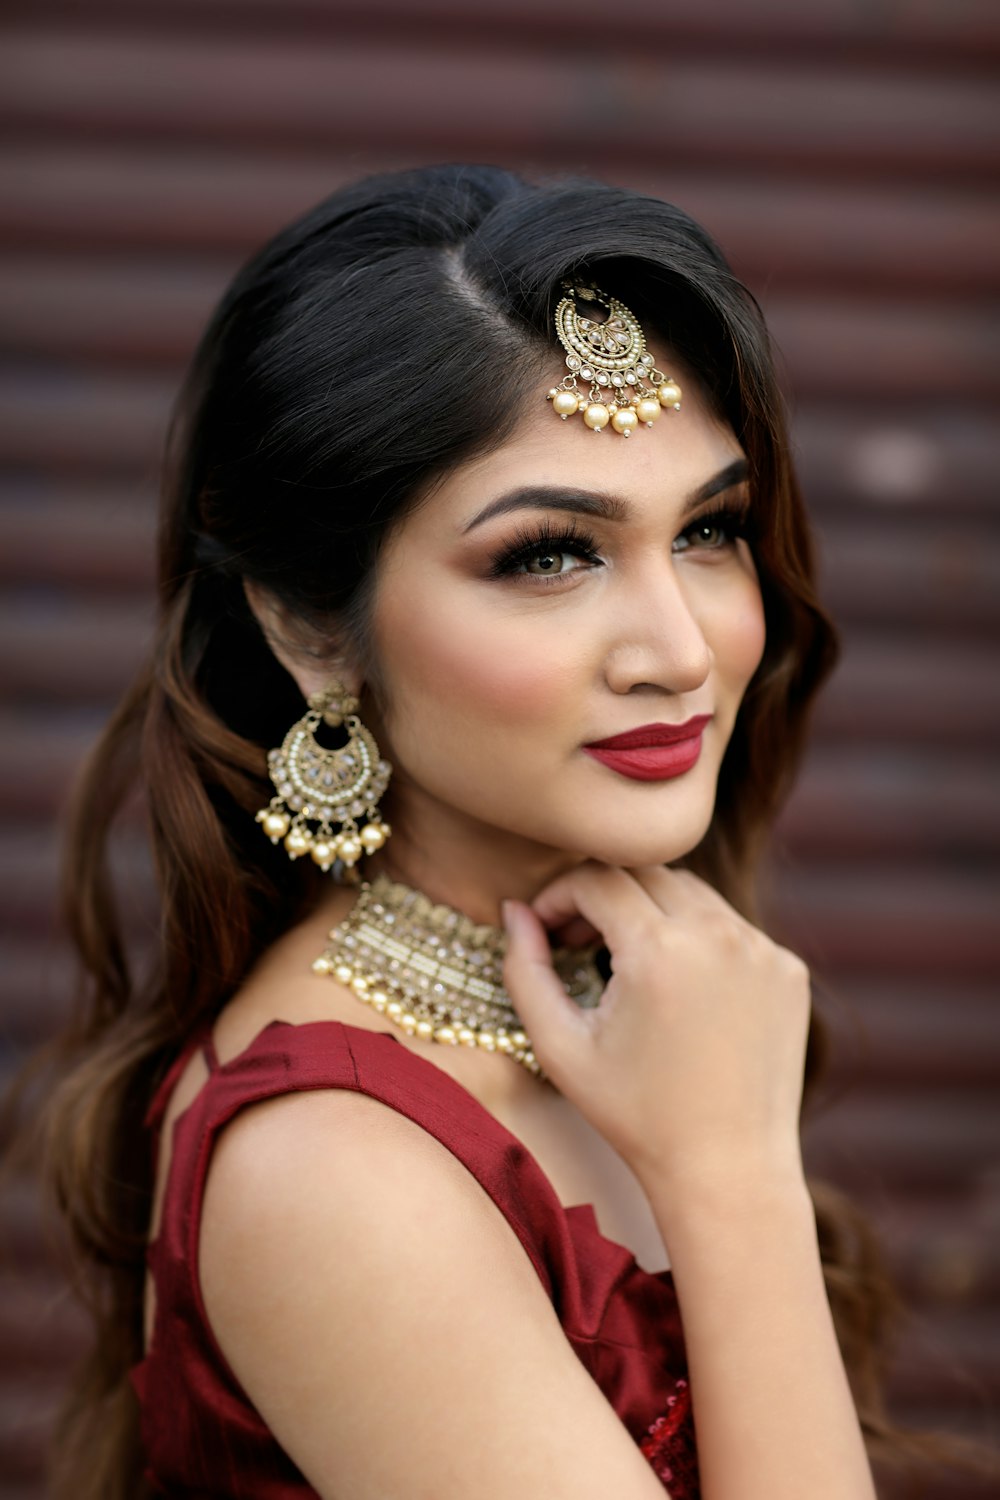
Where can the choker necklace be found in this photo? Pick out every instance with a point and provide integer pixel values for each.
(438, 975)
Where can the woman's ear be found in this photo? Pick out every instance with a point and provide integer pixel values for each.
(312, 665)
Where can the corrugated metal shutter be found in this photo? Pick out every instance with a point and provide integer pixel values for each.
(844, 154)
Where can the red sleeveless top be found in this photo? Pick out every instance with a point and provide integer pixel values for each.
(202, 1436)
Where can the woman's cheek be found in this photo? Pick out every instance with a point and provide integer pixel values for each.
(749, 639)
(740, 630)
(484, 672)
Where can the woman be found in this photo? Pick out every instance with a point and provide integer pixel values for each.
(425, 1218)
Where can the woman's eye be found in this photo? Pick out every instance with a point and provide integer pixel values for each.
(548, 562)
(542, 556)
(710, 533)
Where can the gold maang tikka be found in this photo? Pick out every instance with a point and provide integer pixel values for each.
(610, 357)
(316, 785)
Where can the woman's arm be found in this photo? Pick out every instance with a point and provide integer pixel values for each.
(774, 1412)
(692, 1068)
(386, 1322)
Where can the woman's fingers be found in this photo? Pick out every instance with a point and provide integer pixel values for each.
(595, 902)
(552, 1020)
(608, 899)
(593, 898)
(680, 892)
(576, 933)
(695, 1052)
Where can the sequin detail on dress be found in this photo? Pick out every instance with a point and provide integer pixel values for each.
(669, 1446)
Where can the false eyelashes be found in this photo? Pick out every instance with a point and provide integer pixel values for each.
(529, 542)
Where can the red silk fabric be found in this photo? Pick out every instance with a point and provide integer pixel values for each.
(201, 1434)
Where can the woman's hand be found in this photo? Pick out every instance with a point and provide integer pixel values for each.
(691, 1066)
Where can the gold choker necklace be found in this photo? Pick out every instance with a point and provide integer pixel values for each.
(438, 975)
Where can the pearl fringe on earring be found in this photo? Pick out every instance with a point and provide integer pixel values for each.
(313, 784)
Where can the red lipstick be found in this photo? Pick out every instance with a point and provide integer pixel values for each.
(654, 752)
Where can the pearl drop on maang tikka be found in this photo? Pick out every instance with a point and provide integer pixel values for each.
(612, 358)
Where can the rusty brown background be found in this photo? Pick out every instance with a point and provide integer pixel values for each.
(844, 152)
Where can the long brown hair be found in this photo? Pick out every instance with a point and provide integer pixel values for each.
(379, 341)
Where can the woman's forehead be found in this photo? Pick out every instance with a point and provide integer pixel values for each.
(656, 467)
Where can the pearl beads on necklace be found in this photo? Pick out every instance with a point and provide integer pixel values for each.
(437, 975)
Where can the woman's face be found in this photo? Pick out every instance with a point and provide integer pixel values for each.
(568, 588)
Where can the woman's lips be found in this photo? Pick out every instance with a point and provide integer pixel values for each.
(655, 752)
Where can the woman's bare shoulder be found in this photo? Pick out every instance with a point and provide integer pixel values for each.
(282, 986)
(386, 1321)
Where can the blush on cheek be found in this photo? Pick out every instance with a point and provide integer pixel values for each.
(748, 637)
(739, 630)
(482, 677)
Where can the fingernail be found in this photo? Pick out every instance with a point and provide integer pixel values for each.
(509, 917)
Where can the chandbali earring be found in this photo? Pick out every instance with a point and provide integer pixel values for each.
(316, 785)
(625, 387)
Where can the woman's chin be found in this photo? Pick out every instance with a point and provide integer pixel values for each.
(655, 844)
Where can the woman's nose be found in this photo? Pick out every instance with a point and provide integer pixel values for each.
(659, 641)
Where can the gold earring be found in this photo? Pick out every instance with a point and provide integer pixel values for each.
(313, 784)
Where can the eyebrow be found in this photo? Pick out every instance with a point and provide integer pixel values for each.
(596, 502)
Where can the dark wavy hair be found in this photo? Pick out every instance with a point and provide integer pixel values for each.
(390, 334)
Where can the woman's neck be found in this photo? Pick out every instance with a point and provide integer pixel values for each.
(463, 863)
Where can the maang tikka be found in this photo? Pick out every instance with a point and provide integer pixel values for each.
(316, 785)
(625, 387)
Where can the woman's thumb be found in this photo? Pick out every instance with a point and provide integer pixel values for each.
(551, 1019)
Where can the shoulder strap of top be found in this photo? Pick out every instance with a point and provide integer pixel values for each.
(161, 1098)
(285, 1058)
